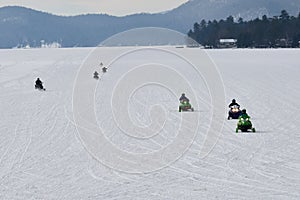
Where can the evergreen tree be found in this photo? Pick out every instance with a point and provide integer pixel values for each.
(279, 31)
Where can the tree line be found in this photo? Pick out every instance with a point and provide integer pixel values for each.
(265, 32)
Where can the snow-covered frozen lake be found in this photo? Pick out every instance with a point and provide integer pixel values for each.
(42, 155)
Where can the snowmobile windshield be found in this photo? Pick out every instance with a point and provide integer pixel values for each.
(235, 107)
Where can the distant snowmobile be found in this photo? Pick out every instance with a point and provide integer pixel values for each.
(104, 69)
(185, 104)
(234, 112)
(39, 85)
(244, 123)
(96, 75)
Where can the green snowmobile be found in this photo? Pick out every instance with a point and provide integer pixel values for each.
(244, 124)
(185, 106)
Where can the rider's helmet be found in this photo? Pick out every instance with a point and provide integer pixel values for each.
(244, 111)
(233, 100)
(182, 94)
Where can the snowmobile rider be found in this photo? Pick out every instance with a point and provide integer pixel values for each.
(183, 98)
(234, 103)
(244, 114)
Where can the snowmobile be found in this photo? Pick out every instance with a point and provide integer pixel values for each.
(244, 124)
(234, 112)
(96, 75)
(104, 69)
(39, 87)
(185, 106)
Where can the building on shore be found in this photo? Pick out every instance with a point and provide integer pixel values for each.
(227, 43)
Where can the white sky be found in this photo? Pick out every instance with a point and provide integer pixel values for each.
(112, 7)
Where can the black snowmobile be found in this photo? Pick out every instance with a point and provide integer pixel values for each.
(104, 69)
(234, 112)
(39, 85)
(96, 75)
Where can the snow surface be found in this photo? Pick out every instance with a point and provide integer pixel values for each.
(42, 155)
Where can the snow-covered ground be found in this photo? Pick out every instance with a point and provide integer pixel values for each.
(42, 156)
